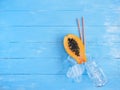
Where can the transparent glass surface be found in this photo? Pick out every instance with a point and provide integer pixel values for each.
(75, 71)
(95, 73)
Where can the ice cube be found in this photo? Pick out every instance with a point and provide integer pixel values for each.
(75, 72)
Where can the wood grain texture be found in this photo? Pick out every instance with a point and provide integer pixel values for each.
(32, 56)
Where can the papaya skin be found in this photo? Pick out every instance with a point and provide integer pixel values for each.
(79, 59)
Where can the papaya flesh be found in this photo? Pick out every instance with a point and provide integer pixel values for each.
(75, 48)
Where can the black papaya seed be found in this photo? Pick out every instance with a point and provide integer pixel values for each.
(73, 45)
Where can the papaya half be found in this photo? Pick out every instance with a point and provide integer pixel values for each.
(75, 48)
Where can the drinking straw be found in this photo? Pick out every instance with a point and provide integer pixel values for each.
(83, 32)
(78, 24)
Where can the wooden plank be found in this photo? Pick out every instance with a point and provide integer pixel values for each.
(33, 66)
(62, 4)
(105, 34)
(33, 18)
(28, 50)
(60, 82)
(49, 66)
(23, 50)
(34, 34)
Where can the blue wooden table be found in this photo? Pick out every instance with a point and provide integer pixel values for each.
(32, 56)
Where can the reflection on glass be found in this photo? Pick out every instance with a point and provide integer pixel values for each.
(75, 71)
(95, 73)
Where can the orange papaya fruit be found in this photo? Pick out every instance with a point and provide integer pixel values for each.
(75, 48)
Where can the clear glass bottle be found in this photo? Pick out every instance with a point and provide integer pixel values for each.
(95, 73)
(75, 71)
